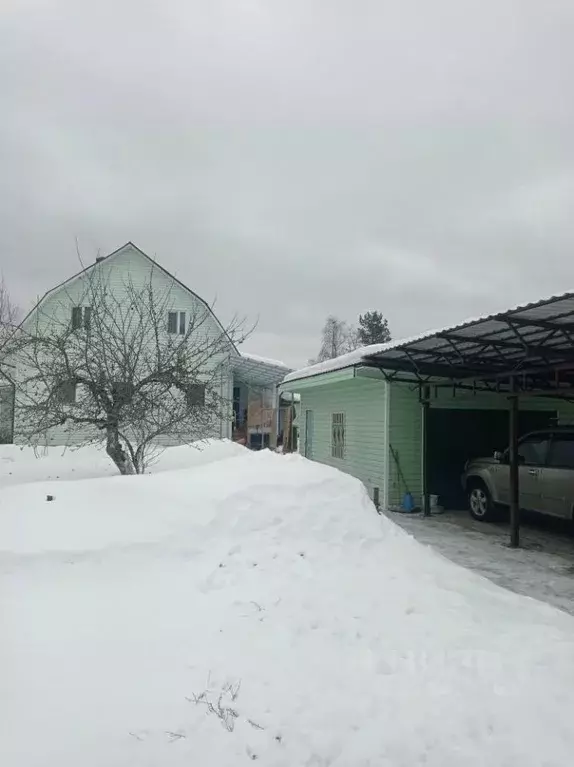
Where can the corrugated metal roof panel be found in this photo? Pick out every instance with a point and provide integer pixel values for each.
(491, 328)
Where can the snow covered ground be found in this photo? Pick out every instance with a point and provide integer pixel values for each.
(20, 465)
(256, 608)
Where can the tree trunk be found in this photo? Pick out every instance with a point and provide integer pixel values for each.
(139, 460)
(116, 452)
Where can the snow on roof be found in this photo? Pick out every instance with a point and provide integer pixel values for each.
(338, 363)
(266, 360)
(259, 371)
(357, 356)
(362, 354)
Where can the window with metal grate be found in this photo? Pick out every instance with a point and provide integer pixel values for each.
(338, 435)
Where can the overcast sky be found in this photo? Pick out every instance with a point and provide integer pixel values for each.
(294, 158)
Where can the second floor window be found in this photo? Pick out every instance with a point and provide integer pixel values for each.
(176, 323)
(81, 317)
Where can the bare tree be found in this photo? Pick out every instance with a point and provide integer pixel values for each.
(8, 312)
(337, 337)
(124, 368)
(353, 338)
(9, 315)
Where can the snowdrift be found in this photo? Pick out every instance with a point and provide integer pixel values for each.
(20, 465)
(256, 608)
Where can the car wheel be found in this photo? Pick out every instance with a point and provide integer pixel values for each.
(480, 502)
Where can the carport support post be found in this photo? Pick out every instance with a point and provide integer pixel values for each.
(425, 400)
(513, 461)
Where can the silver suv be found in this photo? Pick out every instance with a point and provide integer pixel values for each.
(546, 476)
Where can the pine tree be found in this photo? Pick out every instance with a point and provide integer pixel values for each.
(373, 328)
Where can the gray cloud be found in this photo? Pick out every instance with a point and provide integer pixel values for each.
(295, 158)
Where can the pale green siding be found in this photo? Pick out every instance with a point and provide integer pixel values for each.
(321, 379)
(364, 404)
(405, 437)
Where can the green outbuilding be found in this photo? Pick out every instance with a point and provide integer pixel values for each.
(405, 416)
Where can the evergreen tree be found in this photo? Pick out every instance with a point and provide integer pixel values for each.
(373, 329)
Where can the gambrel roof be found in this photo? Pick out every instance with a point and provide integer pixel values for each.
(117, 254)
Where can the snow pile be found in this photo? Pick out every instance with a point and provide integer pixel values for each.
(265, 360)
(20, 465)
(347, 360)
(257, 609)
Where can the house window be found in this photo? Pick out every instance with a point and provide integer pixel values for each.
(65, 392)
(338, 435)
(81, 316)
(122, 391)
(195, 395)
(176, 323)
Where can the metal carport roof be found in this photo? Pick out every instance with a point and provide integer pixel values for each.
(258, 371)
(533, 343)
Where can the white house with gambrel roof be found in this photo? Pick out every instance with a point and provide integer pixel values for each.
(242, 374)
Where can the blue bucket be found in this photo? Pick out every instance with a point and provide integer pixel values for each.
(408, 502)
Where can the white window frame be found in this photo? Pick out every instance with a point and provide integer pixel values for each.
(180, 322)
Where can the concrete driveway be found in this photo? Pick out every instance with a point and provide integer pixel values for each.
(542, 568)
